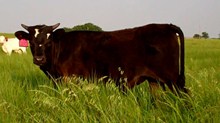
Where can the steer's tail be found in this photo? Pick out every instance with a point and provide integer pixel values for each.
(181, 79)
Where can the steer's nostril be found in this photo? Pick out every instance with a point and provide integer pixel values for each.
(39, 58)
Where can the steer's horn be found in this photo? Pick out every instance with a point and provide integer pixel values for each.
(55, 26)
(25, 26)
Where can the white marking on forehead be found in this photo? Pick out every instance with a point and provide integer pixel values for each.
(48, 34)
(40, 45)
(36, 32)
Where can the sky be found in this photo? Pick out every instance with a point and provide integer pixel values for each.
(192, 16)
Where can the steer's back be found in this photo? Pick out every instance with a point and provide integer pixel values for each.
(150, 52)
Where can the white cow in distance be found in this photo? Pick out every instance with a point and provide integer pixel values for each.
(11, 44)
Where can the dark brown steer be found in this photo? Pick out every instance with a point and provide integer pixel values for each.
(152, 52)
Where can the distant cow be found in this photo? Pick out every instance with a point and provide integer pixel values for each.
(152, 52)
(11, 44)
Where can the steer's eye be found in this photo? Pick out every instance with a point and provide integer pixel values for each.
(48, 44)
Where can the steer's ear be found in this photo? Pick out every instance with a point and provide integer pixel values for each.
(58, 34)
(22, 35)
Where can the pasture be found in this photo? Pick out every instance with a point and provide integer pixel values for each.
(27, 95)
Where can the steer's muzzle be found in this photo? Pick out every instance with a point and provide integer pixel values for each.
(39, 60)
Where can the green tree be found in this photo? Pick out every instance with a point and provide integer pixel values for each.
(84, 27)
(197, 36)
(205, 35)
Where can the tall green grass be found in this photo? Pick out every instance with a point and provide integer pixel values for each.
(27, 95)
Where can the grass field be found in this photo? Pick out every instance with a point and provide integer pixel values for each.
(26, 95)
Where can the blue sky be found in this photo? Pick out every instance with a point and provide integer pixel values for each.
(193, 16)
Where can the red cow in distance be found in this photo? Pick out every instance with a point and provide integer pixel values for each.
(153, 52)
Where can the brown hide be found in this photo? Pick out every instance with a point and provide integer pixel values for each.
(150, 52)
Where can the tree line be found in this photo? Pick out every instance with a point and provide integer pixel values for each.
(93, 27)
(84, 27)
(204, 35)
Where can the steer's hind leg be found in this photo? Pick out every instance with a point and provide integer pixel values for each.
(176, 89)
(181, 84)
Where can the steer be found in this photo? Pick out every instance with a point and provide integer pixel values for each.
(151, 52)
(11, 44)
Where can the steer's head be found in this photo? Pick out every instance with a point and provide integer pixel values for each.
(40, 40)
